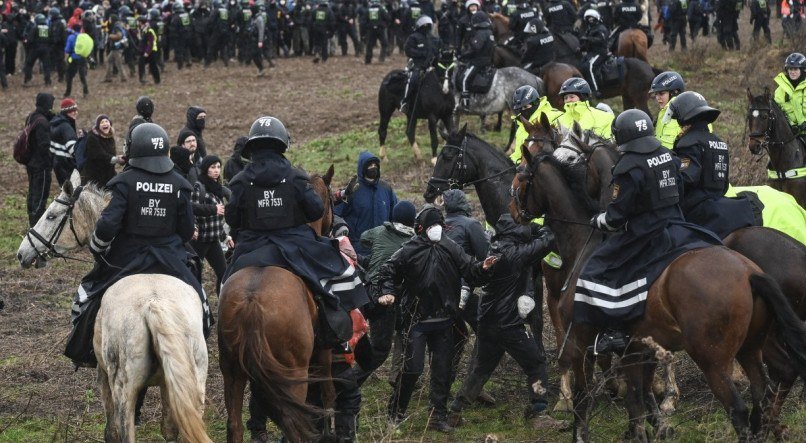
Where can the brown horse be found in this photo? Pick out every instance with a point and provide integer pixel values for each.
(501, 31)
(267, 324)
(777, 254)
(770, 133)
(714, 320)
(633, 43)
(633, 87)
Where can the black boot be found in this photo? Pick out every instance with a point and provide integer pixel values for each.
(611, 341)
(337, 326)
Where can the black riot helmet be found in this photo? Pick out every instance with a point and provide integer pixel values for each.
(40, 19)
(145, 107)
(534, 26)
(690, 106)
(634, 132)
(149, 149)
(54, 13)
(577, 86)
(524, 97)
(480, 20)
(266, 133)
(668, 81)
(795, 60)
(154, 14)
(124, 11)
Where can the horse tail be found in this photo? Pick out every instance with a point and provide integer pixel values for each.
(273, 380)
(793, 330)
(175, 353)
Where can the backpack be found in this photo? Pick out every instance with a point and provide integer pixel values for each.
(83, 46)
(80, 152)
(22, 149)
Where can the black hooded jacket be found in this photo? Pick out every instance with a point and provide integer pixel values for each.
(518, 250)
(467, 232)
(39, 138)
(235, 163)
(192, 126)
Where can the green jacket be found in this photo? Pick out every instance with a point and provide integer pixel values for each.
(588, 117)
(383, 241)
(544, 107)
(792, 100)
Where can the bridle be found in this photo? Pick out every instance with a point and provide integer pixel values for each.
(528, 174)
(456, 178)
(764, 139)
(67, 220)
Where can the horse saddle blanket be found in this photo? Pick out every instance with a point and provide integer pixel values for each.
(610, 72)
(614, 284)
(480, 81)
(569, 40)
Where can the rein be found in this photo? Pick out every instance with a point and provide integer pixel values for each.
(765, 138)
(461, 166)
(50, 243)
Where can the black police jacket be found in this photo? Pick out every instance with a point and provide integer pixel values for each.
(540, 49)
(270, 194)
(430, 274)
(517, 252)
(518, 21)
(646, 191)
(420, 48)
(376, 17)
(705, 165)
(560, 16)
(595, 39)
(627, 15)
(479, 52)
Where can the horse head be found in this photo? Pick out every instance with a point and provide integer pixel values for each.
(759, 120)
(599, 156)
(76, 208)
(542, 139)
(444, 66)
(321, 185)
(450, 166)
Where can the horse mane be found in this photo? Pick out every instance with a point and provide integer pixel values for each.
(575, 176)
(497, 153)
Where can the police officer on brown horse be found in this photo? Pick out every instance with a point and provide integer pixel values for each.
(272, 202)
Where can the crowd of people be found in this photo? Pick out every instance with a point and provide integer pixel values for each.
(128, 36)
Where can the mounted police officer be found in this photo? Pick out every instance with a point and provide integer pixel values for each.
(539, 47)
(649, 232)
(705, 170)
(142, 230)
(528, 104)
(375, 19)
(518, 21)
(271, 204)
(791, 92)
(594, 43)
(421, 49)
(560, 16)
(464, 27)
(627, 15)
(576, 92)
(665, 87)
(478, 55)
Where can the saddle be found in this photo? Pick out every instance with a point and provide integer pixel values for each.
(479, 83)
(570, 41)
(610, 72)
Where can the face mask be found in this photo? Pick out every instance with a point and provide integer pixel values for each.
(371, 174)
(434, 233)
(200, 123)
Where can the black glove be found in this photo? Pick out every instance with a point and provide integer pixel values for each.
(803, 127)
(547, 235)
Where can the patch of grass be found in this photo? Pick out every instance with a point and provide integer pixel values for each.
(12, 225)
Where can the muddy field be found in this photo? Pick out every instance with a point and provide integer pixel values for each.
(42, 399)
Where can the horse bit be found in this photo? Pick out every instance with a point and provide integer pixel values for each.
(67, 219)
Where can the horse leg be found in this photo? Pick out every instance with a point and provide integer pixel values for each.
(583, 376)
(632, 366)
(411, 127)
(383, 126)
(718, 376)
(483, 127)
(783, 376)
(234, 385)
(322, 370)
(124, 397)
(500, 121)
(110, 431)
(432, 130)
(170, 432)
(751, 362)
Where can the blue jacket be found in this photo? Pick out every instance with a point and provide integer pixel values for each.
(368, 204)
(70, 47)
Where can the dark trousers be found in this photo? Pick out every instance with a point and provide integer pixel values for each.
(3, 80)
(211, 251)
(374, 34)
(677, 28)
(57, 61)
(181, 53)
(77, 67)
(38, 191)
(152, 67)
(37, 53)
(254, 54)
(762, 23)
(381, 334)
(519, 343)
(440, 343)
(321, 44)
(63, 167)
(347, 30)
(11, 58)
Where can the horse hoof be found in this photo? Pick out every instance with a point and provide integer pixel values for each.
(563, 405)
(433, 161)
(665, 432)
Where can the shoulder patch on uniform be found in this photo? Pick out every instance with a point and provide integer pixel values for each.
(684, 162)
(616, 189)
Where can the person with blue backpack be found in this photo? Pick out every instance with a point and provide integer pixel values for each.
(78, 48)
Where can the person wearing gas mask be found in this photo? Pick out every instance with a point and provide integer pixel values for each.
(426, 274)
(367, 201)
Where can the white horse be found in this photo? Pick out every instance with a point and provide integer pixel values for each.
(148, 331)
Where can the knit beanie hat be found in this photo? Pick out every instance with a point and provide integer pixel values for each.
(68, 105)
(208, 161)
(404, 213)
(183, 134)
(102, 117)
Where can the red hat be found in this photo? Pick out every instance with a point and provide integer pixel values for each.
(68, 104)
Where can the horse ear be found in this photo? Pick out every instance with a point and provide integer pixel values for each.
(749, 96)
(529, 126)
(577, 130)
(463, 131)
(69, 186)
(526, 155)
(328, 177)
(444, 134)
(544, 121)
(767, 93)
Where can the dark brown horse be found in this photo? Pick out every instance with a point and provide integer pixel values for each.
(267, 321)
(633, 43)
(633, 88)
(770, 133)
(777, 254)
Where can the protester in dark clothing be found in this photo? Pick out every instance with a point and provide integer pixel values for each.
(678, 14)
(427, 272)
(145, 109)
(210, 195)
(100, 154)
(63, 138)
(760, 18)
(149, 51)
(39, 166)
(235, 163)
(367, 201)
(196, 119)
(501, 318)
